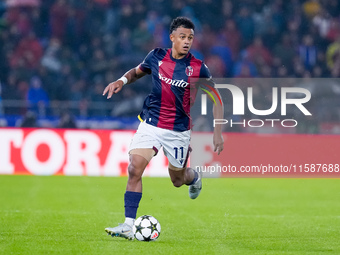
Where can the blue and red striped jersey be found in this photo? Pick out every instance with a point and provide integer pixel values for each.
(173, 90)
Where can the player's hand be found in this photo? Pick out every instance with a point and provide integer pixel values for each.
(113, 88)
(218, 144)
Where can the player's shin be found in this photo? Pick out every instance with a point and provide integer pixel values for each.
(131, 202)
(191, 176)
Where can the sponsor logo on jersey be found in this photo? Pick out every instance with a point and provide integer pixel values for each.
(189, 70)
(177, 83)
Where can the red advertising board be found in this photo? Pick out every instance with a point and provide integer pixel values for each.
(269, 155)
(105, 153)
(69, 152)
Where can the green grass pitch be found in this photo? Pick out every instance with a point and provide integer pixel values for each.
(67, 215)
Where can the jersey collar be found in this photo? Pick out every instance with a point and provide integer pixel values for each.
(181, 59)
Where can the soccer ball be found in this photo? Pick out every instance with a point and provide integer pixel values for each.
(146, 228)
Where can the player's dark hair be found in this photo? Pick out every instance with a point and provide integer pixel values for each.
(181, 22)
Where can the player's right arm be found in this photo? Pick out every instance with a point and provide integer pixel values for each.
(129, 77)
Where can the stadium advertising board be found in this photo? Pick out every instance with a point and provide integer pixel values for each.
(69, 152)
(105, 153)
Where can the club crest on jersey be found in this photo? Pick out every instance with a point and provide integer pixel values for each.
(189, 71)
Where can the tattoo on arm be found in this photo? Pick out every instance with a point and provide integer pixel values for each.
(134, 74)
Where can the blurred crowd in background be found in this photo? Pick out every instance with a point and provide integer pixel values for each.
(58, 55)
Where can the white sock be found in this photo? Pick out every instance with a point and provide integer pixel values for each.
(129, 221)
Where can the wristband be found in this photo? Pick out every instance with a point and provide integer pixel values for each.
(123, 79)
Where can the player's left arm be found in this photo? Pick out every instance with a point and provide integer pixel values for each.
(218, 112)
(218, 109)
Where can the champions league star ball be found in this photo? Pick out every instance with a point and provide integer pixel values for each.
(146, 228)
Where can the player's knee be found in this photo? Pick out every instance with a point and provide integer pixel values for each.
(134, 171)
(136, 166)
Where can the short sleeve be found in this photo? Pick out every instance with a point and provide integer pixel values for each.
(205, 73)
(145, 66)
